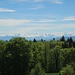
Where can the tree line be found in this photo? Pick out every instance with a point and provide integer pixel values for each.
(19, 56)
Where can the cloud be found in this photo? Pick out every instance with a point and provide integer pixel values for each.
(12, 22)
(6, 10)
(32, 29)
(19, 0)
(54, 1)
(68, 26)
(38, 0)
(57, 1)
(45, 20)
(38, 7)
(40, 28)
(27, 0)
(64, 26)
(69, 18)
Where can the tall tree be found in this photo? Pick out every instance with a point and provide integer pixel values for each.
(62, 38)
(16, 57)
(54, 59)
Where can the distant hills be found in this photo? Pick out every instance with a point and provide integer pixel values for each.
(38, 36)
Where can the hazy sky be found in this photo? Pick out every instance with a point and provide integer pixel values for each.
(37, 16)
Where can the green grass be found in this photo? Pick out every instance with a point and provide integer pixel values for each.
(51, 74)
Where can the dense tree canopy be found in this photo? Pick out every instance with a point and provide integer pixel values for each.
(68, 70)
(19, 56)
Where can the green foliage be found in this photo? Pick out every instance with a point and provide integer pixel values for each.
(37, 70)
(54, 43)
(68, 55)
(68, 70)
(19, 56)
(54, 59)
(51, 74)
(16, 57)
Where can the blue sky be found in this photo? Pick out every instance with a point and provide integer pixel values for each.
(37, 16)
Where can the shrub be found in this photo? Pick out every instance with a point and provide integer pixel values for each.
(68, 70)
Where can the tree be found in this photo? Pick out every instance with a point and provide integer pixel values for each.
(70, 41)
(53, 39)
(2, 49)
(54, 59)
(34, 40)
(16, 57)
(62, 38)
(74, 44)
(37, 70)
(68, 70)
(65, 45)
(70, 45)
(42, 40)
(46, 57)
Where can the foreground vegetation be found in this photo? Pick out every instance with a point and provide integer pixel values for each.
(19, 56)
(51, 74)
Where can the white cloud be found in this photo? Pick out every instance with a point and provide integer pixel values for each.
(45, 20)
(69, 18)
(57, 1)
(39, 28)
(19, 0)
(68, 26)
(6, 10)
(32, 29)
(38, 7)
(12, 22)
(27, 0)
(38, 0)
(54, 1)
(64, 26)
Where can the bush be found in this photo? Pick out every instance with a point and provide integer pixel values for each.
(68, 70)
(37, 70)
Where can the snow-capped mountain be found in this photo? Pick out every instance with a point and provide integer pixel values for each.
(38, 36)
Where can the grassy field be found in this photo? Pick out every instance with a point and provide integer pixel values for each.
(51, 74)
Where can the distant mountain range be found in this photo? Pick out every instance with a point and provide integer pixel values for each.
(38, 36)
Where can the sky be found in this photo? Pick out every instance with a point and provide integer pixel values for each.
(37, 16)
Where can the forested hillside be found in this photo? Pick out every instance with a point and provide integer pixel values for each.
(19, 56)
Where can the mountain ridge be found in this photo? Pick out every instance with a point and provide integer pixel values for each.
(38, 36)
